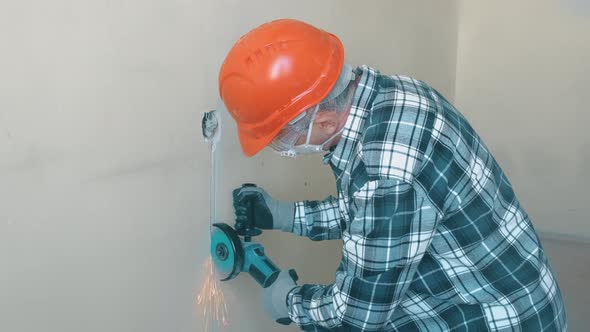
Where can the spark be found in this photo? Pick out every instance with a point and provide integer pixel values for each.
(210, 299)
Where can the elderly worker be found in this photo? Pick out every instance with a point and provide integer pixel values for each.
(433, 236)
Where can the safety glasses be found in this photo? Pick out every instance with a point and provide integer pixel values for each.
(290, 134)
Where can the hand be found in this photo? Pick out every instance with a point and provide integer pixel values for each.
(267, 212)
(274, 297)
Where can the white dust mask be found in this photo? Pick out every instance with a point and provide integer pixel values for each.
(307, 147)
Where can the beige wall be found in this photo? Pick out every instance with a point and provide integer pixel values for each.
(103, 174)
(523, 80)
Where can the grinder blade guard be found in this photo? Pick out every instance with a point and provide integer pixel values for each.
(227, 251)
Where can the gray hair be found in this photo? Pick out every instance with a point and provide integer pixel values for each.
(341, 94)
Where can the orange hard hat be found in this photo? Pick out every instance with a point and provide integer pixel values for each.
(274, 73)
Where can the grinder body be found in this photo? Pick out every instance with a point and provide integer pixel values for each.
(258, 265)
(232, 255)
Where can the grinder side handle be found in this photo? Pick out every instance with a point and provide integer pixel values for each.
(247, 229)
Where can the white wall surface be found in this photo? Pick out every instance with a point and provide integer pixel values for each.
(104, 177)
(523, 81)
(570, 259)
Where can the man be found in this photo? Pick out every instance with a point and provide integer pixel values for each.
(434, 238)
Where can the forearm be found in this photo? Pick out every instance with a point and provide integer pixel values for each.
(318, 220)
(312, 306)
(389, 235)
(351, 303)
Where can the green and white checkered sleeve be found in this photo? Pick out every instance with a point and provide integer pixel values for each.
(389, 234)
(318, 220)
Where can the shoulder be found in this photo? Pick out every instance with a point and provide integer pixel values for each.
(398, 128)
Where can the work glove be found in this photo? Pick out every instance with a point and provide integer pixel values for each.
(267, 212)
(274, 297)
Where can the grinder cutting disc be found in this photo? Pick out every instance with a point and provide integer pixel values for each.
(227, 251)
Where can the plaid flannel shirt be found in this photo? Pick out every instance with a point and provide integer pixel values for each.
(434, 238)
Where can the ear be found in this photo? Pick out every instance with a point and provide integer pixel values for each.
(327, 121)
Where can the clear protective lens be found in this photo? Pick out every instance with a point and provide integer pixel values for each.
(288, 136)
(285, 140)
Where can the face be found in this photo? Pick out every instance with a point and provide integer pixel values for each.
(325, 124)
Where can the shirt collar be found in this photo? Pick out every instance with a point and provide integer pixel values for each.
(353, 129)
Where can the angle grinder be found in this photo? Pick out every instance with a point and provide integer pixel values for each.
(232, 254)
